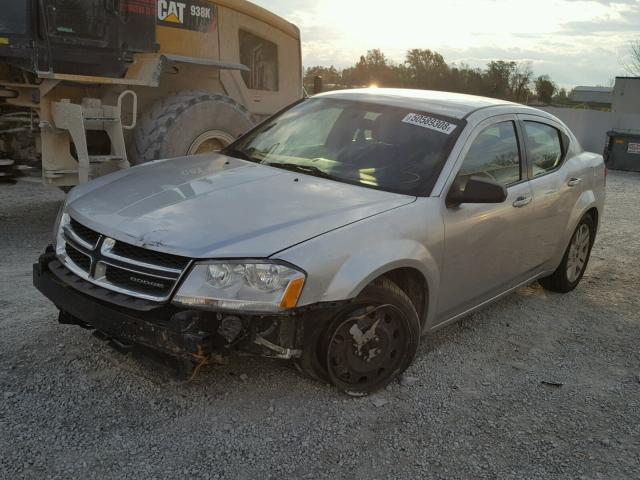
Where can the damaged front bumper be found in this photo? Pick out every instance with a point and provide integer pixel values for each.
(185, 334)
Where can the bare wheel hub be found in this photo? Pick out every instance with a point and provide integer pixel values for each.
(366, 347)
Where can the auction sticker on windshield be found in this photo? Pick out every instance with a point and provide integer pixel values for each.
(430, 123)
(634, 148)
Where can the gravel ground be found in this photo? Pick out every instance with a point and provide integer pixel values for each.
(474, 404)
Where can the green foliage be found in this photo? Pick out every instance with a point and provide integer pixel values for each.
(428, 70)
(545, 89)
(561, 97)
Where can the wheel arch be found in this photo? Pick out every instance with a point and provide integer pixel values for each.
(415, 285)
(595, 214)
(587, 204)
(416, 269)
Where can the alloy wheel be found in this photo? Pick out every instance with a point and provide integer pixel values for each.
(578, 253)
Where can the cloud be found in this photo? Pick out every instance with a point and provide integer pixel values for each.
(574, 41)
(620, 18)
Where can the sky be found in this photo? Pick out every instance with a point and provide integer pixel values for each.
(576, 42)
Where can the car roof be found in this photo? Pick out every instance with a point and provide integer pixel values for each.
(449, 104)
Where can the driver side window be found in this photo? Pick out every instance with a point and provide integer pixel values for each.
(494, 155)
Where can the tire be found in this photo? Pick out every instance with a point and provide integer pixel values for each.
(566, 279)
(310, 363)
(366, 359)
(174, 126)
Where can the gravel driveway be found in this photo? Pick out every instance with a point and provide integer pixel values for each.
(474, 405)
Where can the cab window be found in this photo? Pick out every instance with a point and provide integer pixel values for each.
(77, 19)
(494, 155)
(261, 56)
(544, 147)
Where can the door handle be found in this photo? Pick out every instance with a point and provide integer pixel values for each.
(574, 182)
(522, 201)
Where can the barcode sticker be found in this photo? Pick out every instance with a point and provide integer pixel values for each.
(430, 123)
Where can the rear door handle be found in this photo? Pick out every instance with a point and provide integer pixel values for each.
(522, 201)
(574, 182)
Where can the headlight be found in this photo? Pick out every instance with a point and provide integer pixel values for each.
(58, 232)
(252, 287)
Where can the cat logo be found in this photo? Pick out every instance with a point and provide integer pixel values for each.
(170, 11)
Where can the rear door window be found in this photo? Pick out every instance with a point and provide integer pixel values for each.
(544, 147)
(494, 155)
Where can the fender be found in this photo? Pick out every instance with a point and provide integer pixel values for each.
(585, 202)
(364, 266)
(343, 262)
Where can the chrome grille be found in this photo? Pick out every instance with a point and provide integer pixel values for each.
(76, 256)
(149, 256)
(119, 266)
(85, 234)
(147, 284)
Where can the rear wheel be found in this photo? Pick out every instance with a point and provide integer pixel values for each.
(574, 263)
(188, 123)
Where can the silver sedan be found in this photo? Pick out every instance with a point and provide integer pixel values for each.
(336, 234)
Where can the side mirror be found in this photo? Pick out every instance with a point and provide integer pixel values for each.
(478, 190)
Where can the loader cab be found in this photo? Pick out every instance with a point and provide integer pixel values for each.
(272, 53)
(83, 37)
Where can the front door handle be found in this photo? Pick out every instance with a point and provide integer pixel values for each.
(522, 201)
(574, 182)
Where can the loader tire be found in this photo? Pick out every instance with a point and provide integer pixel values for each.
(187, 123)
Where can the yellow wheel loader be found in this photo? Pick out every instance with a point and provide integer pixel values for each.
(91, 86)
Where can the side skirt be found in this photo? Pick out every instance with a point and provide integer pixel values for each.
(485, 303)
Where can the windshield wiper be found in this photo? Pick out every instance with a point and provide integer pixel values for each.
(306, 169)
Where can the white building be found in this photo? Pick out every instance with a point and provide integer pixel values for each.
(626, 95)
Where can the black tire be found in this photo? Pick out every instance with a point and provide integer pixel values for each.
(172, 125)
(559, 281)
(310, 363)
(391, 319)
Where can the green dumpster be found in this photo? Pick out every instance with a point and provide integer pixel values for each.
(623, 151)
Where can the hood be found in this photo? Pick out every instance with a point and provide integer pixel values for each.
(213, 206)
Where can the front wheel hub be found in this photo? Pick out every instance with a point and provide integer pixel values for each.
(367, 348)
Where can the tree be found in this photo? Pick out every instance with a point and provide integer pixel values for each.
(426, 69)
(464, 79)
(330, 75)
(633, 66)
(498, 78)
(561, 97)
(545, 89)
(372, 69)
(521, 78)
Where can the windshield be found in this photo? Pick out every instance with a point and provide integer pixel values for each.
(375, 146)
(13, 17)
